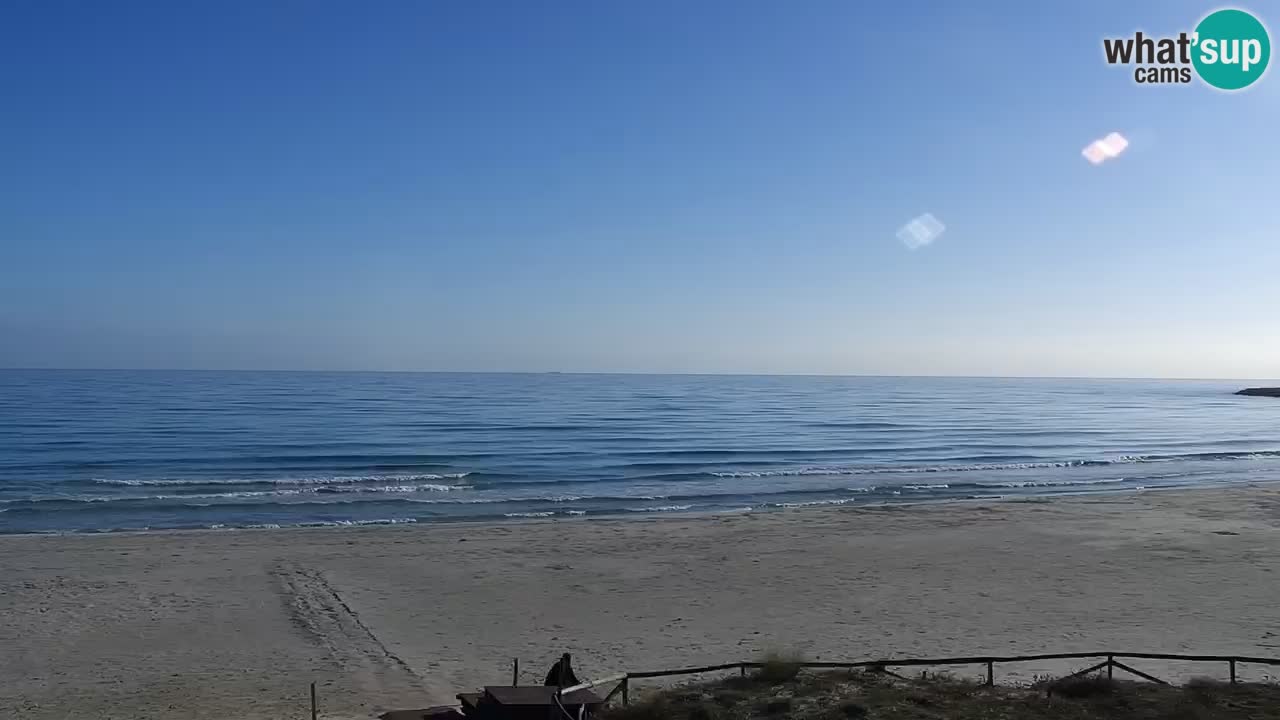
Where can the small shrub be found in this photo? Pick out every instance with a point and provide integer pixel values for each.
(921, 699)
(777, 706)
(1199, 695)
(777, 668)
(1084, 686)
(728, 697)
(705, 711)
(1207, 685)
(655, 708)
(853, 710)
(1188, 711)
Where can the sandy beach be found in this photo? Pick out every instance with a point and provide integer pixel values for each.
(235, 624)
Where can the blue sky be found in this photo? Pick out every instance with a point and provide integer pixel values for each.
(630, 186)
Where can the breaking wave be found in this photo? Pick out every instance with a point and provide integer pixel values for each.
(323, 480)
(995, 467)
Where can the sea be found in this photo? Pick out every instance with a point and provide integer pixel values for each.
(101, 451)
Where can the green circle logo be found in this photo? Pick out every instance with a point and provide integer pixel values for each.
(1231, 49)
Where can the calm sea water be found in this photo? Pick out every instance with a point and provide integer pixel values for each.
(107, 450)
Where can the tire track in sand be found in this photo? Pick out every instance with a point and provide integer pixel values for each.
(315, 607)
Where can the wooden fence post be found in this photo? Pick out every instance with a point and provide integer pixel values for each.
(1111, 663)
(626, 695)
(515, 672)
(1233, 671)
(314, 708)
(991, 673)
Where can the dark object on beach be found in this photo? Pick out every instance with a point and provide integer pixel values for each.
(561, 674)
(1261, 392)
(527, 702)
(530, 702)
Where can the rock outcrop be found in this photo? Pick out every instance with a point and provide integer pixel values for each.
(1264, 392)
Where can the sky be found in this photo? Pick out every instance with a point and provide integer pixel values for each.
(627, 186)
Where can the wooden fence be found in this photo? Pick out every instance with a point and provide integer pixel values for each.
(1109, 663)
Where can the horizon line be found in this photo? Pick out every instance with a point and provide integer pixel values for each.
(627, 373)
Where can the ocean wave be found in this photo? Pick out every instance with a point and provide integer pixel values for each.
(357, 523)
(1051, 483)
(398, 493)
(320, 490)
(246, 494)
(814, 503)
(140, 505)
(545, 513)
(895, 470)
(400, 506)
(117, 501)
(313, 524)
(997, 467)
(696, 472)
(433, 496)
(322, 480)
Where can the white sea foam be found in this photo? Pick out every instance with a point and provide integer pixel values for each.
(315, 523)
(1051, 483)
(322, 480)
(289, 492)
(239, 494)
(356, 523)
(814, 503)
(528, 514)
(991, 467)
(891, 470)
(400, 489)
(661, 508)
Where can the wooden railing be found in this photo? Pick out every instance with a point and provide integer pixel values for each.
(1110, 663)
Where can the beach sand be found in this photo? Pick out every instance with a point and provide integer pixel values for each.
(236, 624)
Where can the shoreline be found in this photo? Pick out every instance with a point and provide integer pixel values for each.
(234, 625)
(658, 516)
